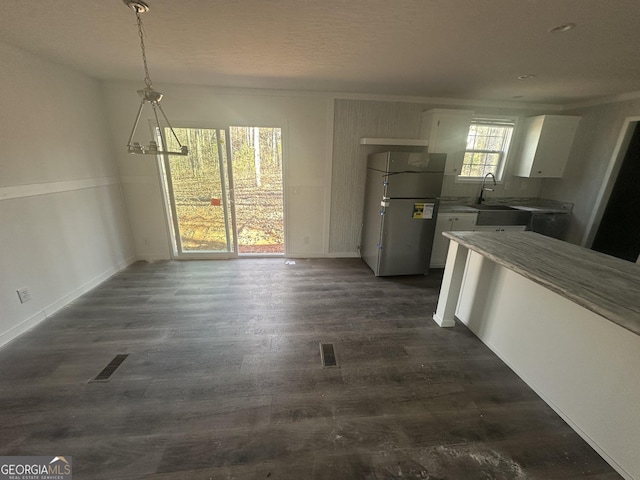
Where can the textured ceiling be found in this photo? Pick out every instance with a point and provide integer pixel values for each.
(469, 49)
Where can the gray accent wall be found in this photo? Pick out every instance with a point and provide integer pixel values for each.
(354, 119)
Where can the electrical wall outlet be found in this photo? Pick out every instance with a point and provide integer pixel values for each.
(24, 294)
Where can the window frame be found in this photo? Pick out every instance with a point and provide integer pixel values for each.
(505, 154)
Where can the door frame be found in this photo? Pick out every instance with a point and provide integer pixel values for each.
(610, 177)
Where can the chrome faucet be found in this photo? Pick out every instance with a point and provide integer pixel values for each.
(483, 189)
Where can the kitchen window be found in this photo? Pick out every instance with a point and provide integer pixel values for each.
(488, 144)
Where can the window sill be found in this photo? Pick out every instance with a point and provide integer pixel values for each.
(473, 180)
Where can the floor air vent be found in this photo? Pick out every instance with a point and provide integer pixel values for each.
(105, 374)
(328, 355)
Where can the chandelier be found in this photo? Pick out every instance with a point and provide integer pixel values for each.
(151, 96)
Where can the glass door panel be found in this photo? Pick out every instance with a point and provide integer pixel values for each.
(199, 195)
(256, 154)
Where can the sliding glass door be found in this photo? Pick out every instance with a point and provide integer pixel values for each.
(226, 197)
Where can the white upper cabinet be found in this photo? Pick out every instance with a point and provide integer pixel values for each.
(546, 145)
(447, 131)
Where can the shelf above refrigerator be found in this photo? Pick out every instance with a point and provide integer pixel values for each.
(405, 142)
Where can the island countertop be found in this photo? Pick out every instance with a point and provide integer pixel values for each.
(605, 285)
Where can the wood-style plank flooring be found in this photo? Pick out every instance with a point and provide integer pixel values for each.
(224, 380)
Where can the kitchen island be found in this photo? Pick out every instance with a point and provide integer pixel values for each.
(565, 319)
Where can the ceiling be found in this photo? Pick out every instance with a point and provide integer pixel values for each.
(467, 49)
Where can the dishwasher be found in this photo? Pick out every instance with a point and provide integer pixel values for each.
(550, 224)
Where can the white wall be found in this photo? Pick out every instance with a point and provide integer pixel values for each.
(591, 153)
(306, 122)
(63, 225)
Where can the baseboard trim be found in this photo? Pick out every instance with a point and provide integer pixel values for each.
(54, 307)
(162, 258)
(343, 255)
(443, 323)
(22, 327)
(151, 258)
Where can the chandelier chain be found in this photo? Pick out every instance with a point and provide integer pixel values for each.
(147, 79)
(149, 95)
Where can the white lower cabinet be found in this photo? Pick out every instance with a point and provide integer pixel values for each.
(460, 222)
(449, 222)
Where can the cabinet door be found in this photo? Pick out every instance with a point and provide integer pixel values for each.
(464, 222)
(447, 132)
(546, 146)
(440, 243)
(448, 222)
(555, 143)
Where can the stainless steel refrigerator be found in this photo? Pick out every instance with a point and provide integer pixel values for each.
(401, 204)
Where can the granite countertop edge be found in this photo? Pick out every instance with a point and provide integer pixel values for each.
(466, 205)
(542, 266)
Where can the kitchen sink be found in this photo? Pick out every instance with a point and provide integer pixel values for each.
(501, 215)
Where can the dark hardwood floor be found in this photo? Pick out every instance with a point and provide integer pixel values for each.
(224, 380)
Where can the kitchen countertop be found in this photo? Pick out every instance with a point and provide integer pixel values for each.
(538, 209)
(605, 285)
(455, 208)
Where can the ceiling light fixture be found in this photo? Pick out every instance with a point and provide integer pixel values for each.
(526, 76)
(148, 94)
(562, 28)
